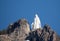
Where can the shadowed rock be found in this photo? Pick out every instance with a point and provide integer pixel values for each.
(46, 34)
(20, 31)
(17, 31)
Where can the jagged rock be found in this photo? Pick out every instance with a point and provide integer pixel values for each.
(46, 34)
(20, 31)
(17, 31)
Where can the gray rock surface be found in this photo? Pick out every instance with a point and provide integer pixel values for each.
(20, 31)
(17, 31)
(45, 34)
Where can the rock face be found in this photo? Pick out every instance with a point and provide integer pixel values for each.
(45, 34)
(17, 31)
(20, 31)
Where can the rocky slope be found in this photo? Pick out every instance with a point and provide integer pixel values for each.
(45, 34)
(17, 31)
(20, 31)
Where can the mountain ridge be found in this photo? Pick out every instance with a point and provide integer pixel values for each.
(20, 31)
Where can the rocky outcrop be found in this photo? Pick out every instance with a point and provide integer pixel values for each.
(20, 31)
(17, 31)
(45, 34)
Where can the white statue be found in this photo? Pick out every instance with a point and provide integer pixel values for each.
(37, 23)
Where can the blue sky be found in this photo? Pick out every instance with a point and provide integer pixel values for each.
(48, 11)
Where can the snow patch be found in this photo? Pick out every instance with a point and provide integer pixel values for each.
(36, 24)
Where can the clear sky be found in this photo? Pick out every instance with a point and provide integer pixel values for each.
(48, 12)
